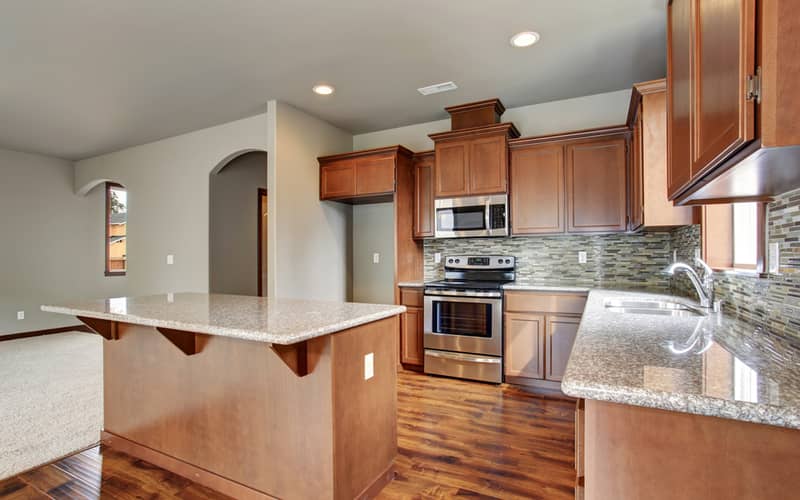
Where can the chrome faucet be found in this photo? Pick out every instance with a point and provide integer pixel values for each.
(704, 286)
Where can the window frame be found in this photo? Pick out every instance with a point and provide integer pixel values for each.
(717, 224)
(108, 271)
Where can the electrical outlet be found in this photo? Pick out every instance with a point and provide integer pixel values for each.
(369, 366)
(20, 315)
(376, 258)
(581, 257)
(774, 258)
(170, 259)
(170, 297)
(697, 253)
(437, 257)
(674, 256)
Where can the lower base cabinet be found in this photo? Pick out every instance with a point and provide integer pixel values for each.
(412, 349)
(540, 329)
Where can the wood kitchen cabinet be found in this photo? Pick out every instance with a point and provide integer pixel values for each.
(649, 205)
(472, 161)
(423, 195)
(412, 351)
(732, 102)
(540, 329)
(596, 185)
(574, 182)
(362, 176)
(537, 189)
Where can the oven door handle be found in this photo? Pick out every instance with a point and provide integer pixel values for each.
(448, 293)
(470, 358)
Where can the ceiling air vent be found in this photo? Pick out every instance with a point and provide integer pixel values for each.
(436, 88)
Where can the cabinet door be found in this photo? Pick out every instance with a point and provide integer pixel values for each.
(724, 50)
(488, 165)
(679, 85)
(411, 337)
(451, 171)
(375, 174)
(637, 172)
(524, 345)
(561, 332)
(423, 198)
(596, 186)
(537, 190)
(337, 180)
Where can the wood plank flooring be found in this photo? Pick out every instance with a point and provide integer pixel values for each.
(456, 439)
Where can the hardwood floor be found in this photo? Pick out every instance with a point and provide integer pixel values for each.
(456, 439)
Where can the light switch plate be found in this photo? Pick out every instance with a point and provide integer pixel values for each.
(170, 297)
(170, 259)
(581, 257)
(369, 366)
(20, 315)
(437, 257)
(376, 258)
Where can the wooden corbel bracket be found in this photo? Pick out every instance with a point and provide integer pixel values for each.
(295, 356)
(189, 342)
(107, 328)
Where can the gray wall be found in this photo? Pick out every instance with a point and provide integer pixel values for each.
(234, 224)
(51, 246)
(168, 201)
(373, 232)
(310, 241)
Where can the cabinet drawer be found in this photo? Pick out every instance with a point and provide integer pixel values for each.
(563, 303)
(411, 297)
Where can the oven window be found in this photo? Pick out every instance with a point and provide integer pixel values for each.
(462, 318)
(461, 218)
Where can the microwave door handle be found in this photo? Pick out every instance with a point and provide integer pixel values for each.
(487, 216)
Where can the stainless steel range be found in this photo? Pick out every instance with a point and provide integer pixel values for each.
(464, 317)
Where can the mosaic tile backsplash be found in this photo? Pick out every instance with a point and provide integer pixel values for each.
(633, 259)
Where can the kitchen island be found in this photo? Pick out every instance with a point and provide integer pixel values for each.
(685, 405)
(253, 397)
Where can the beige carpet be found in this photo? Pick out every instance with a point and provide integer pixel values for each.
(51, 398)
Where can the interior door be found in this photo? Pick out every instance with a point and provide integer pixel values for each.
(679, 85)
(537, 194)
(725, 56)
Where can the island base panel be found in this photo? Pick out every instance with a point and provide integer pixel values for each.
(633, 452)
(236, 411)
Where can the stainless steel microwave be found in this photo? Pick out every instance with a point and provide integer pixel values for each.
(473, 216)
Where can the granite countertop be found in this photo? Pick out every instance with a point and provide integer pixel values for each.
(714, 365)
(261, 319)
(411, 284)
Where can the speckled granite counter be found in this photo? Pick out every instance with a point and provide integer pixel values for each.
(274, 321)
(713, 365)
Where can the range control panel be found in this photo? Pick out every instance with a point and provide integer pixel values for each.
(479, 262)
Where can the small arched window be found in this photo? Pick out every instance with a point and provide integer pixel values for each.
(116, 229)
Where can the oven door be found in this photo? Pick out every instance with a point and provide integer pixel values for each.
(468, 324)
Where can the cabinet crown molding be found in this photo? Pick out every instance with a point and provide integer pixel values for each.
(397, 149)
(494, 103)
(499, 128)
(591, 133)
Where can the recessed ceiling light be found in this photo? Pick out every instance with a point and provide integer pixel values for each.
(525, 39)
(323, 89)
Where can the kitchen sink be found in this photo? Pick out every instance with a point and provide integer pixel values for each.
(654, 307)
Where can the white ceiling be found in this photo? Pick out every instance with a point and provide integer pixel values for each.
(84, 77)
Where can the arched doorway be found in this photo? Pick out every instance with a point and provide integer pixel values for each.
(237, 232)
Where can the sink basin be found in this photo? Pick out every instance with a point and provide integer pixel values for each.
(655, 307)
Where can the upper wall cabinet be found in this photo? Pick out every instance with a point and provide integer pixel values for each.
(362, 176)
(472, 161)
(574, 182)
(732, 103)
(647, 119)
(423, 195)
